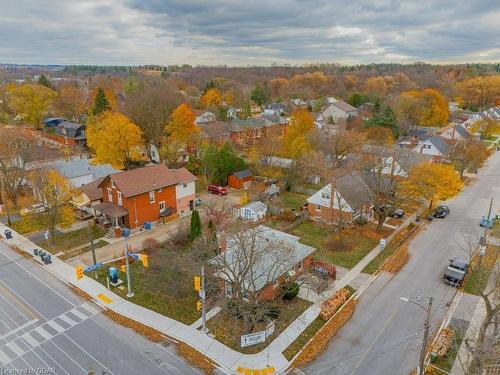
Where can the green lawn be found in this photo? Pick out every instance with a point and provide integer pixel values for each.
(289, 199)
(27, 224)
(66, 241)
(303, 338)
(477, 279)
(70, 254)
(446, 362)
(344, 250)
(495, 231)
(228, 329)
(166, 286)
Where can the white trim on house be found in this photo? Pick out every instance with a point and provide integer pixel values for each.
(322, 198)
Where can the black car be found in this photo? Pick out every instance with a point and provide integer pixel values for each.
(455, 272)
(441, 212)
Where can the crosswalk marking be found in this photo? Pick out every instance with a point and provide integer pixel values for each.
(31, 338)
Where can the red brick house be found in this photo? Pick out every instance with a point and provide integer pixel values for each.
(277, 257)
(254, 131)
(241, 179)
(349, 198)
(147, 194)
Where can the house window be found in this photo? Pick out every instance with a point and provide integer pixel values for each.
(246, 297)
(159, 190)
(119, 198)
(110, 195)
(162, 206)
(248, 214)
(113, 184)
(184, 186)
(318, 207)
(152, 196)
(228, 289)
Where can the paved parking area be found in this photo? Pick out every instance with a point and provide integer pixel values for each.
(45, 327)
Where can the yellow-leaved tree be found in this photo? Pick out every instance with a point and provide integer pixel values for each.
(31, 101)
(429, 106)
(182, 127)
(432, 182)
(212, 98)
(295, 143)
(115, 139)
(55, 194)
(487, 127)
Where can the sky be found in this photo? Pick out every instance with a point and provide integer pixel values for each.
(250, 32)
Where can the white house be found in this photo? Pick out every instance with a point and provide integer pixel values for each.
(253, 211)
(204, 116)
(434, 146)
(338, 110)
(457, 132)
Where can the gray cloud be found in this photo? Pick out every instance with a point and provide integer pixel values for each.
(248, 32)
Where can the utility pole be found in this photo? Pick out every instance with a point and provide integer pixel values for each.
(94, 259)
(489, 211)
(423, 350)
(204, 328)
(129, 288)
(4, 201)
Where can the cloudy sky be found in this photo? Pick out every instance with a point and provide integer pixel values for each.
(250, 32)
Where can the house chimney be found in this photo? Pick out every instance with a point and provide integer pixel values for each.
(222, 242)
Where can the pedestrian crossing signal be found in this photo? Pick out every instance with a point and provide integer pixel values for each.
(123, 268)
(79, 272)
(144, 260)
(198, 305)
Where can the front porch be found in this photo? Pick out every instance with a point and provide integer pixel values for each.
(111, 216)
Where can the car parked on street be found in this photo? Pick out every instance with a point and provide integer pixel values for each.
(441, 212)
(456, 271)
(217, 189)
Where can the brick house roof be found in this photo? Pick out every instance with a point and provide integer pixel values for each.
(141, 180)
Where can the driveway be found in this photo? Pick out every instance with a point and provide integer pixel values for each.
(384, 334)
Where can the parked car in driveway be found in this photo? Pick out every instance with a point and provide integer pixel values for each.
(441, 212)
(397, 213)
(197, 201)
(456, 271)
(217, 189)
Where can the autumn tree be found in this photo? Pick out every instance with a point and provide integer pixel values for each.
(479, 93)
(487, 127)
(278, 87)
(339, 144)
(468, 155)
(115, 139)
(182, 126)
(211, 98)
(149, 106)
(430, 106)
(295, 142)
(70, 103)
(31, 102)
(432, 182)
(375, 87)
(15, 149)
(385, 118)
(55, 194)
(101, 102)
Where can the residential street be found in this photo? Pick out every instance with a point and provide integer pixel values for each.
(43, 324)
(384, 334)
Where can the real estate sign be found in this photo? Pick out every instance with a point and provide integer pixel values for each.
(253, 338)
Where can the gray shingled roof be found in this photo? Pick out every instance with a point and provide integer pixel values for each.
(243, 174)
(440, 144)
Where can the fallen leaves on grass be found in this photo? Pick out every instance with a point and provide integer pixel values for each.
(195, 358)
(322, 338)
(397, 261)
(331, 305)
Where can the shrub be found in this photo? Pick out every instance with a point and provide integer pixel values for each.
(331, 305)
(150, 245)
(360, 221)
(290, 291)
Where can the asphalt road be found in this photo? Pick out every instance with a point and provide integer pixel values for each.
(385, 333)
(44, 325)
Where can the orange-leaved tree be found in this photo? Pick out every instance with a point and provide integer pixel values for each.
(212, 98)
(295, 143)
(430, 106)
(480, 92)
(115, 139)
(432, 182)
(182, 126)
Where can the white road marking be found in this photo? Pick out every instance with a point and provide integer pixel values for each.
(3, 357)
(15, 348)
(56, 326)
(78, 314)
(43, 333)
(29, 339)
(67, 319)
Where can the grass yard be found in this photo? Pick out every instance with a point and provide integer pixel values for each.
(166, 286)
(477, 279)
(288, 199)
(67, 241)
(26, 225)
(344, 249)
(303, 338)
(74, 252)
(228, 329)
(446, 362)
(495, 231)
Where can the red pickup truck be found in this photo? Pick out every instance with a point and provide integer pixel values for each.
(216, 189)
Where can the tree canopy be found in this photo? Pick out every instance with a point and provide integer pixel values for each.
(31, 102)
(295, 143)
(219, 163)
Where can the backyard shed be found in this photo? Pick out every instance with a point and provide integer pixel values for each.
(253, 211)
(241, 179)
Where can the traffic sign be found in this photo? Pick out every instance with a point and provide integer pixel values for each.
(197, 283)
(93, 267)
(79, 272)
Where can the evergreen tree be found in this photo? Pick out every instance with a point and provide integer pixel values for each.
(44, 81)
(386, 118)
(101, 102)
(260, 94)
(212, 230)
(195, 229)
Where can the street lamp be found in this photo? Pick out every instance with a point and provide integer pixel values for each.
(427, 309)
